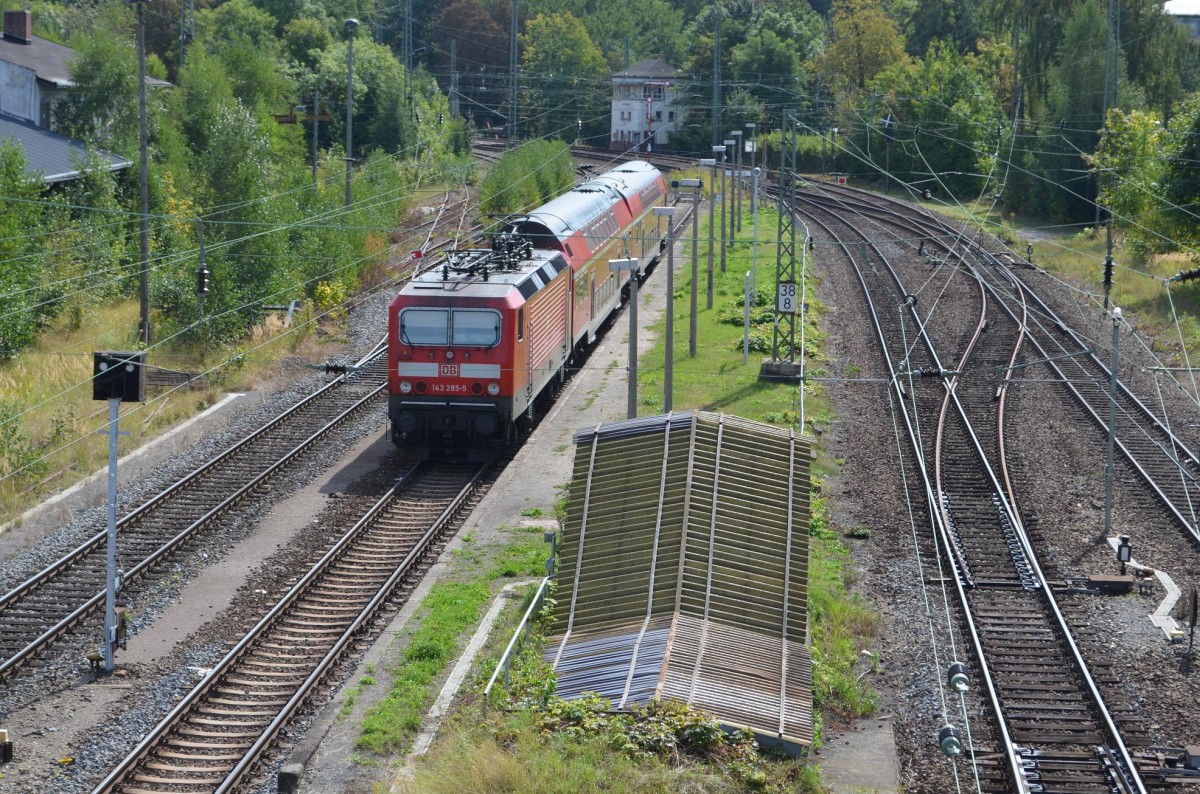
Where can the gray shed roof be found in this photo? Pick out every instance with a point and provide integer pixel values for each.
(49, 60)
(55, 157)
(653, 68)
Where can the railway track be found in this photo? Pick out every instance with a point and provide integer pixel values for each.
(1145, 439)
(1054, 724)
(41, 609)
(220, 730)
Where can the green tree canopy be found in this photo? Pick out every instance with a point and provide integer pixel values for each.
(865, 42)
(567, 77)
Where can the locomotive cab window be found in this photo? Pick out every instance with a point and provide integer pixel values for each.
(475, 328)
(425, 326)
(440, 327)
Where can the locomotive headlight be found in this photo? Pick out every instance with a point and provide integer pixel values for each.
(449, 355)
(405, 387)
(493, 389)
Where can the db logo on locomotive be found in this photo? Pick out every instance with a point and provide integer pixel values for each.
(449, 371)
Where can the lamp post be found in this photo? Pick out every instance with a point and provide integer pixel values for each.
(752, 142)
(736, 224)
(1112, 423)
(697, 186)
(669, 367)
(351, 27)
(711, 162)
(144, 237)
(726, 215)
(617, 265)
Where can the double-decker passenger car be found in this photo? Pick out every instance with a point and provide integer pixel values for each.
(474, 341)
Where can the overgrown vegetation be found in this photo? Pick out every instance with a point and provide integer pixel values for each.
(449, 610)
(526, 177)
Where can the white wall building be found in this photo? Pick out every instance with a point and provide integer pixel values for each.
(1186, 12)
(643, 106)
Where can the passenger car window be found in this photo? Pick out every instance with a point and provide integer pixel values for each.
(476, 327)
(424, 326)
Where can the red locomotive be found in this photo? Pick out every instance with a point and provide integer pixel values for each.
(473, 342)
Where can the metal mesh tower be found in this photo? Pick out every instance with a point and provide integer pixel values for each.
(787, 290)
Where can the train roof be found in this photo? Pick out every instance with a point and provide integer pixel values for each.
(528, 275)
(581, 205)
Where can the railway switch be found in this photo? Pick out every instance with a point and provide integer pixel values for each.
(949, 742)
(958, 678)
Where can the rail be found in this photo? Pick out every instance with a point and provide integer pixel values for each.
(519, 638)
(350, 635)
(171, 544)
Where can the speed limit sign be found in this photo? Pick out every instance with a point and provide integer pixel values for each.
(785, 297)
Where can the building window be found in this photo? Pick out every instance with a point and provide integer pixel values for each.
(658, 115)
(670, 115)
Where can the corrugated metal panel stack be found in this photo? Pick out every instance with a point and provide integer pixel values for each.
(684, 570)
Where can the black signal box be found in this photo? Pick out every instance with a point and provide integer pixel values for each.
(119, 375)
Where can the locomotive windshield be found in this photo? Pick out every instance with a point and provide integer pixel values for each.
(476, 327)
(440, 327)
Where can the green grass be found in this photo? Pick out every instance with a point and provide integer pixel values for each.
(1076, 255)
(715, 379)
(447, 613)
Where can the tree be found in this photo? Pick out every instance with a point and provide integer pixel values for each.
(567, 78)
(953, 21)
(1077, 97)
(652, 28)
(20, 269)
(1128, 167)
(950, 104)
(304, 39)
(378, 91)
(242, 36)
(865, 42)
(102, 106)
(769, 67)
(1179, 187)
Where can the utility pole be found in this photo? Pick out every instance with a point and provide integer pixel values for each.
(617, 265)
(726, 215)
(696, 194)
(783, 347)
(712, 206)
(716, 97)
(454, 77)
(351, 27)
(408, 57)
(752, 142)
(1112, 66)
(316, 123)
(201, 271)
(511, 132)
(669, 366)
(1112, 423)
(144, 238)
(187, 27)
(736, 226)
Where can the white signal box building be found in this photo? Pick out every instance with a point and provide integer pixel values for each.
(643, 106)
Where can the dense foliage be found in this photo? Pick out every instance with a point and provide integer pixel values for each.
(966, 98)
(222, 166)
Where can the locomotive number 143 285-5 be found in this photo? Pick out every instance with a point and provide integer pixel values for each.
(441, 387)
